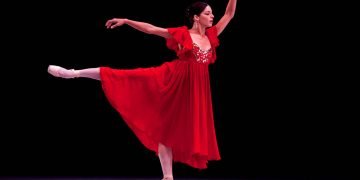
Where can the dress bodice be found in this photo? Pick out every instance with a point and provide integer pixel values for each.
(186, 50)
(202, 56)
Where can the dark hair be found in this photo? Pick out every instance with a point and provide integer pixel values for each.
(194, 9)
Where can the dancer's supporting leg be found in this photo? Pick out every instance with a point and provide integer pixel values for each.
(165, 156)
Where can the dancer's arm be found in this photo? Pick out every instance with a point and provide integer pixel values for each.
(141, 26)
(229, 14)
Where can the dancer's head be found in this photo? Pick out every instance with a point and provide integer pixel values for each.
(199, 13)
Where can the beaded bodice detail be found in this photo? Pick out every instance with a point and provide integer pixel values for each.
(202, 56)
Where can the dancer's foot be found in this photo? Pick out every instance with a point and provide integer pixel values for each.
(58, 71)
(168, 178)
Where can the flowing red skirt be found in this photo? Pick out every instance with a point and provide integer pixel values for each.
(169, 104)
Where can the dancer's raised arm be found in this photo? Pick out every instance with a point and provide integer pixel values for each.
(229, 14)
(141, 26)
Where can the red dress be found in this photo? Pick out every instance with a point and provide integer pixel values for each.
(171, 103)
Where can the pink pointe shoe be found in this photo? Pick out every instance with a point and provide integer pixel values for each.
(58, 71)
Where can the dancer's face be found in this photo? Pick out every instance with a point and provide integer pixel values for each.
(206, 17)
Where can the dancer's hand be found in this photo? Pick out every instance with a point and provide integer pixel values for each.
(115, 22)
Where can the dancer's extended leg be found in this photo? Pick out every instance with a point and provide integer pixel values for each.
(57, 71)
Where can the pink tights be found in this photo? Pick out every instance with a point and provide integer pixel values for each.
(57, 71)
(165, 156)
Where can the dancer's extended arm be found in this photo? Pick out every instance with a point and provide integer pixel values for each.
(141, 26)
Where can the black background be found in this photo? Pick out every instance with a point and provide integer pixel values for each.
(280, 105)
